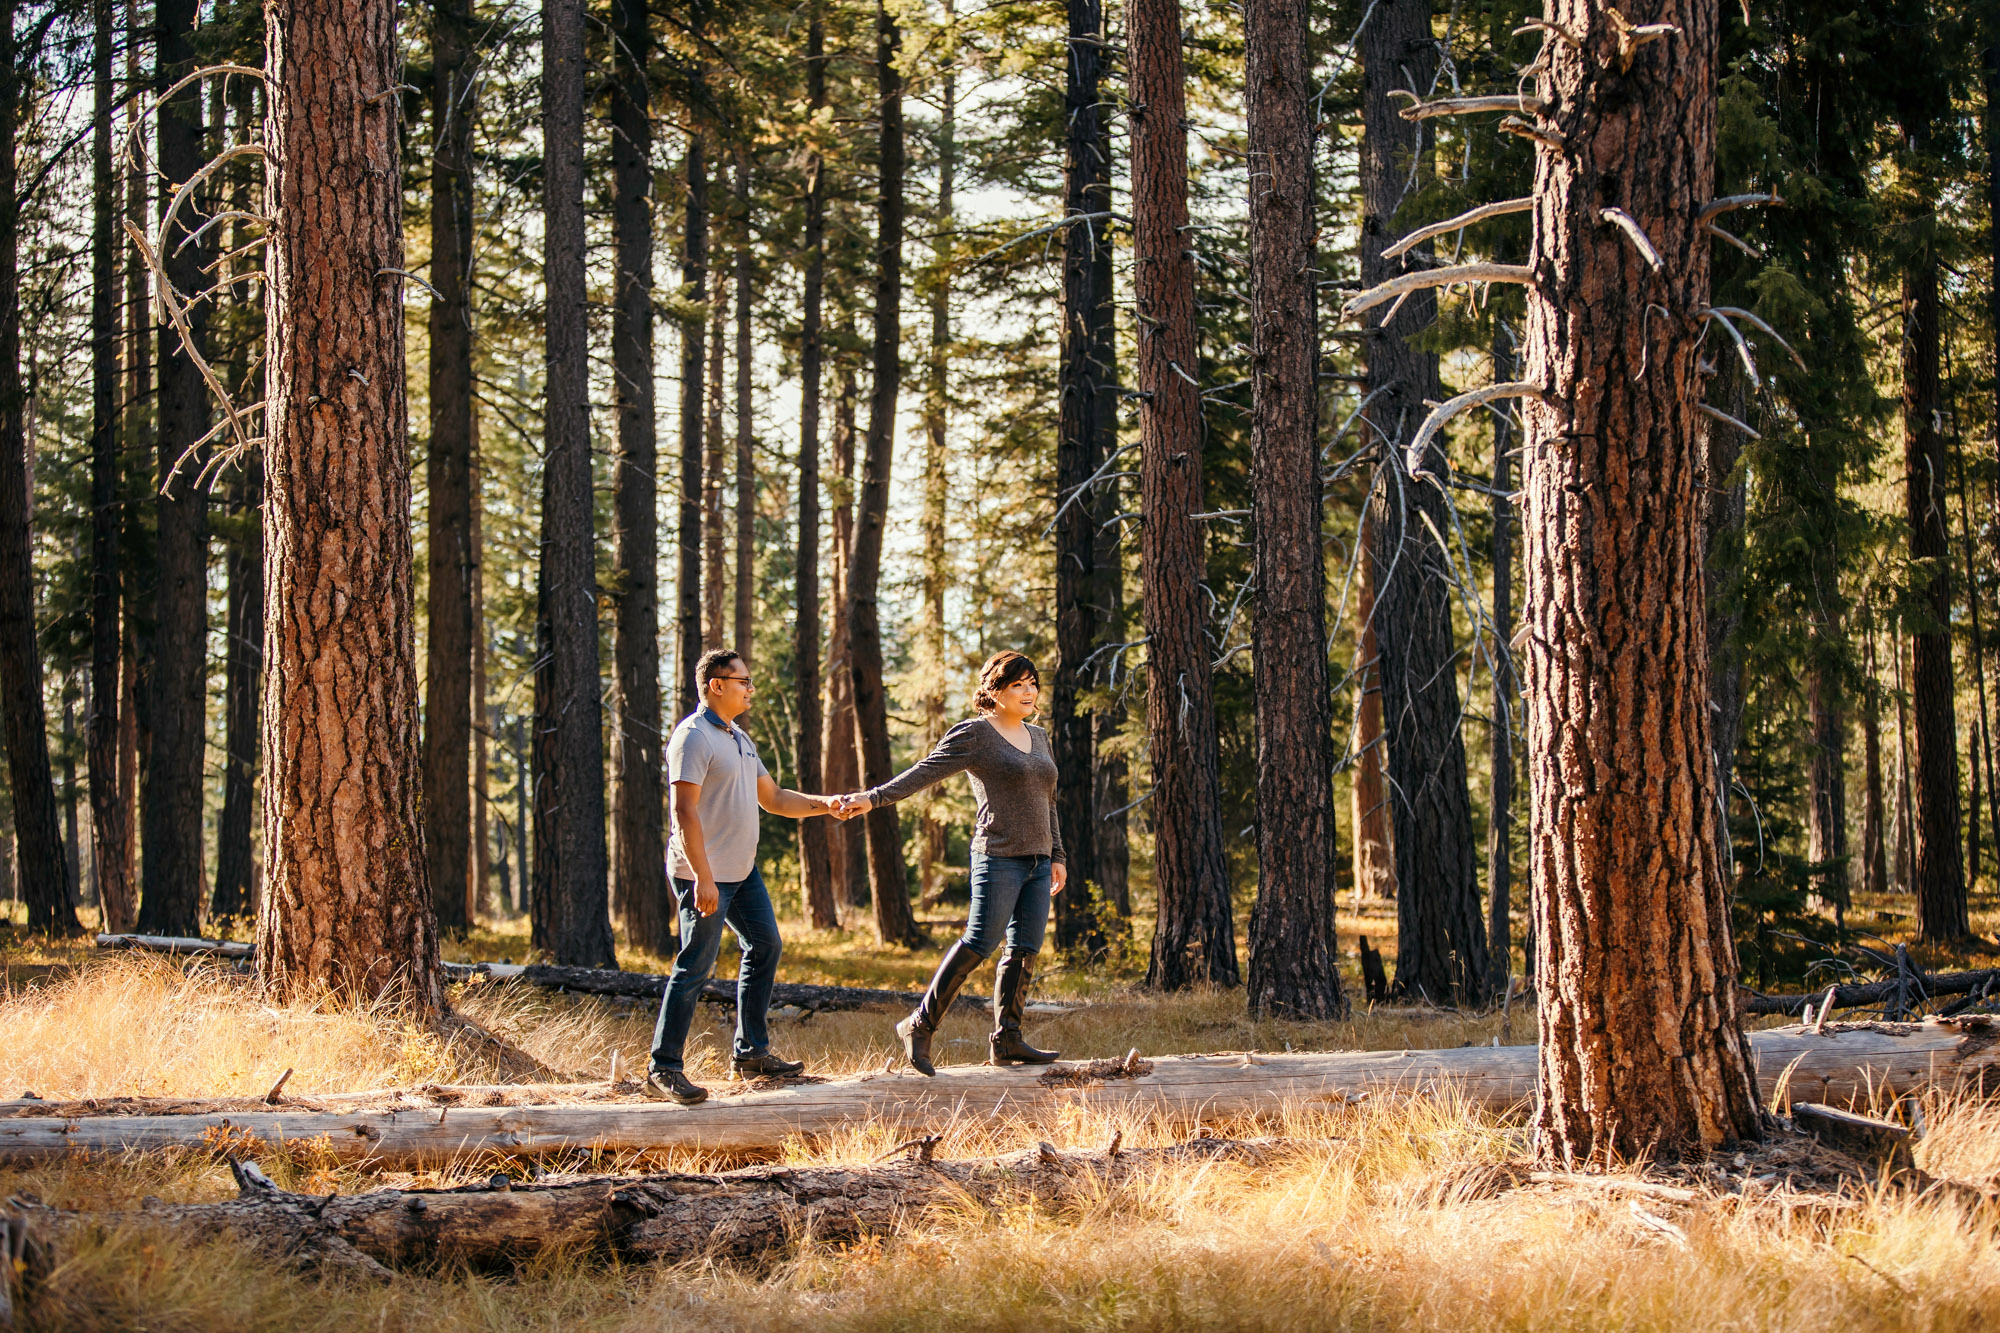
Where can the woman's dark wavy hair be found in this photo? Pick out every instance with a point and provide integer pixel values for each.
(1001, 670)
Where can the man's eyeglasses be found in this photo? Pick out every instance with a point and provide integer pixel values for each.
(744, 679)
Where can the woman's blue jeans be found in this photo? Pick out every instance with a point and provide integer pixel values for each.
(745, 905)
(1010, 899)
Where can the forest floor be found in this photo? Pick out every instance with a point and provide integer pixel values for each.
(1377, 1215)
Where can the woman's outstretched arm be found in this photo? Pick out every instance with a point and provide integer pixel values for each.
(954, 754)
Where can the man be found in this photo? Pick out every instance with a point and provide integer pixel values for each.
(719, 784)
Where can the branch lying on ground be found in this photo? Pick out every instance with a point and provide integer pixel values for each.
(1854, 994)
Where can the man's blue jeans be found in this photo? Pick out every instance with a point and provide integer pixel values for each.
(745, 906)
(1010, 900)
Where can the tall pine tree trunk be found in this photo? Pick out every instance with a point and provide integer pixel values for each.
(1194, 939)
(1506, 689)
(448, 469)
(815, 850)
(937, 489)
(135, 638)
(346, 906)
(110, 817)
(638, 846)
(746, 465)
(171, 833)
(714, 569)
(1874, 860)
(235, 895)
(40, 870)
(1981, 743)
(1826, 788)
(1374, 836)
(894, 922)
(570, 912)
(1642, 1051)
(1936, 862)
(1294, 967)
(1079, 611)
(478, 900)
(848, 842)
(1440, 921)
(694, 344)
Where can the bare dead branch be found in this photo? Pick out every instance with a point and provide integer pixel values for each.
(1451, 407)
(1515, 125)
(1465, 219)
(1466, 106)
(1742, 346)
(1737, 312)
(1553, 29)
(1753, 251)
(1718, 414)
(176, 314)
(185, 190)
(1435, 277)
(1626, 223)
(1717, 207)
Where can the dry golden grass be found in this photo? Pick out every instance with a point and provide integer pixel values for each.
(1348, 1229)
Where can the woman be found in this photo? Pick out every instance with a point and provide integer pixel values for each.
(1017, 854)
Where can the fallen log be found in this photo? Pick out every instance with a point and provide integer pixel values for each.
(1844, 1065)
(1917, 985)
(599, 981)
(1865, 1137)
(743, 1214)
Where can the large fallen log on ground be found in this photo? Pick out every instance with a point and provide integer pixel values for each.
(597, 981)
(1840, 1066)
(1913, 987)
(740, 1214)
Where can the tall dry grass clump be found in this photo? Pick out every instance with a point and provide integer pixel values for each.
(131, 1025)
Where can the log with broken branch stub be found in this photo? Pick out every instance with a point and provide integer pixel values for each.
(1502, 208)
(1841, 1066)
(1405, 283)
(732, 1215)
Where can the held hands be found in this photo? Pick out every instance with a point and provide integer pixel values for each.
(847, 807)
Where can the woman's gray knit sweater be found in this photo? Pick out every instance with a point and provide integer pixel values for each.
(1016, 792)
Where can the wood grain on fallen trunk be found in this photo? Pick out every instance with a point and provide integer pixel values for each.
(1836, 1068)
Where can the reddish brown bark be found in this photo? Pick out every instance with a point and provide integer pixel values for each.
(1194, 939)
(346, 904)
(1293, 967)
(1642, 1050)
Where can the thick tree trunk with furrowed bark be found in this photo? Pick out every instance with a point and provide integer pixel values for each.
(448, 469)
(177, 682)
(895, 923)
(1642, 1049)
(346, 908)
(815, 849)
(1440, 921)
(1293, 951)
(569, 909)
(1194, 939)
(638, 848)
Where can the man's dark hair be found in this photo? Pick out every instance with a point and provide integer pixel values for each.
(715, 662)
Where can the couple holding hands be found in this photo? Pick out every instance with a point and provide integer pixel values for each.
(719, 786)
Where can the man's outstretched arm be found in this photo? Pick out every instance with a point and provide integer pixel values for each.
(791, 804)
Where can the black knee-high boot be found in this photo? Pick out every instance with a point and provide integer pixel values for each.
(959, 962)
(1010, 998)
